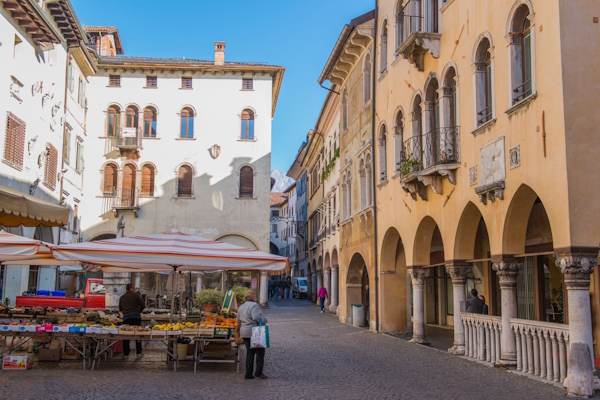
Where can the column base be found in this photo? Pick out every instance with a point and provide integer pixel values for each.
(333, 308)
(422, 341)
(457, 350)
(508, 364)
(264, 306)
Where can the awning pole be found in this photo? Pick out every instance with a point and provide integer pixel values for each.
(173, 291)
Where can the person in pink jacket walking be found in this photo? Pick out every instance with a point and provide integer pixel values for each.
(322, 294)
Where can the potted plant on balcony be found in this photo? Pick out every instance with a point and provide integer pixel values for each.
(410, 165)
(209, 298)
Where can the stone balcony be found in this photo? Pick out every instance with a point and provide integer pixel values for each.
(423, 166)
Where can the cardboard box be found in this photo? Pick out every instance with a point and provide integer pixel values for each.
(17, 363)
(49, 354)
(60, 328)
(110, 331)
(27, 328)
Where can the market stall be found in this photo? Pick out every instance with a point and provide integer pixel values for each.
(174, 252)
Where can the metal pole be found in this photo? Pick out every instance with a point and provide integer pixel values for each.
(173, 291)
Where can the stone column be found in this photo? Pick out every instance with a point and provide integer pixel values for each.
(334, 289)
(319, 282)
(327, 284)
(263, 298)
(418, 276)
(114, 284)
(458, 272)
(507, 272)
(576, 269)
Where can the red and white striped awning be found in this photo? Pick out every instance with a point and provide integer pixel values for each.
(163, 252)
(15, 247)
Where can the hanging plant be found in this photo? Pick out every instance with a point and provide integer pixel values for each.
(410, 165)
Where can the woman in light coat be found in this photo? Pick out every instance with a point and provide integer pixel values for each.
(249, 314)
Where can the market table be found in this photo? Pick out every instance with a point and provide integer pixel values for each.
(23, 337)
(222, 354)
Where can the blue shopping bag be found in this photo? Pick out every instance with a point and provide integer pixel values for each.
(260, 336)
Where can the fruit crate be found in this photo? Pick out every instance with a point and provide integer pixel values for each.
(76, 318)
(207, 331)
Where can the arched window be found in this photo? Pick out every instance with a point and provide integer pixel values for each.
(383, 154)
(521, 54)
(451, 128)
(148, 174)
(345, 110)
(247, 132)
(432, 123)
(383, 48)
(484, 82)
(184, 181)
(362, 173)
(128, 186)
(187, 123)
(399, 23)
(113, 121)
(131, 117)
(150, 122)
(413, 148)
(110, 180)
(398, 140)
(367, 79)
(246, 181)
(368, 179)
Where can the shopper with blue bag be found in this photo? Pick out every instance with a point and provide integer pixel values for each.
(255, 334)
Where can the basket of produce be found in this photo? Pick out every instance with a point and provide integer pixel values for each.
(143, 331)
(127, 330)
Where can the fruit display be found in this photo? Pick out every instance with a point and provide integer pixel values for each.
(169, 327)
(219, 321)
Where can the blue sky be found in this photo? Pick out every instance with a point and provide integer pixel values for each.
(298, 35)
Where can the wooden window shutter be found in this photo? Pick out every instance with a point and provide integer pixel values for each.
(186, 83)
(129, 185)
(14, 145)
(114, 80)
(246, 182)
(110, 180)
(147, 180)
(51, 166)
(184, 182)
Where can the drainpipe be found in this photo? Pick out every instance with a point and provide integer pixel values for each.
(374, 173)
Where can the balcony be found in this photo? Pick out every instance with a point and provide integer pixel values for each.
(127, 140)
(126, 199)
(417, 29)
(423, 166)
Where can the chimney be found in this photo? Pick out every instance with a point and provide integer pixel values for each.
(219, 53)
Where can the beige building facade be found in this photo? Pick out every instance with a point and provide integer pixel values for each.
(483, 131)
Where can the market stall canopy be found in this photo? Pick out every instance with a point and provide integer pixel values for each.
(17, 208)
(166, 251)
(15, 247)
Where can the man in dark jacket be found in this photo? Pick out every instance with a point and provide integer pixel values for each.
(475, 304)
(131, 306)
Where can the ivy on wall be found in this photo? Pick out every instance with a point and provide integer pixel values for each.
(329, 167)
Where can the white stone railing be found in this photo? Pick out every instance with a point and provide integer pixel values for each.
(541, 348)
(482, 336)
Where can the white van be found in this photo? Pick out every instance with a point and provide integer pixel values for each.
(300, 287)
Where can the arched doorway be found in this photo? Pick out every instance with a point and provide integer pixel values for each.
(394, 315)
(541, 293)
(429, 253)
(357, 286)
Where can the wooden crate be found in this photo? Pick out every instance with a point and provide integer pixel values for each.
(76, 318)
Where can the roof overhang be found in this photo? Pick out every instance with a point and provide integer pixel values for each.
(108, 29)
(296, 169)
(32, 20)
(66, 20)
(353, 40)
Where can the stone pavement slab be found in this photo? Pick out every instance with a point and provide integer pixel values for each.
(312, 356)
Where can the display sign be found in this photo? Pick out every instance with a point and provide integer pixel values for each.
(230, 302)
(128, 132)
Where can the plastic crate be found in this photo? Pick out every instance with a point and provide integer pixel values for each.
(58, 293)
(42, 293)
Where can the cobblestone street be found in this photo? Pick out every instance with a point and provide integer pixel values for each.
(312, 356)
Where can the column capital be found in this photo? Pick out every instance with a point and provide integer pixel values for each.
(576, 268)
(418, 275)
(264, 273)
(507, 271)
(458, 270)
